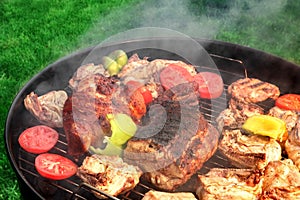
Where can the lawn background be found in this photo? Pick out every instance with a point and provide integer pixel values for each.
(35, 33)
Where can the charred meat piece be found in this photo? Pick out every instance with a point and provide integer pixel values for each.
(288, 116)
(47, 108)
(281, 181)
(253, 90)
(158, 195)
(237, 113)
(109, 174)
(230, 184)
(171, 155)
(84, 113)
(292, 145)
(82, 127)
(249, 151)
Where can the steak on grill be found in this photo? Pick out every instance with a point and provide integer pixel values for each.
(84, 113)
(170, 156)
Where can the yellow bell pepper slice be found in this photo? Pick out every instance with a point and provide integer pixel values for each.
(123, 128)
(266, 125)
(110, 149)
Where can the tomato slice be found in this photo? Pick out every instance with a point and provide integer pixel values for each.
(173, 75)
(38, 139)
(210, 85)
(132, 86)
(288, 102)
(146, 95)
(54, 166)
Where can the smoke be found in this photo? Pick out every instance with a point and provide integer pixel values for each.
(201, 19)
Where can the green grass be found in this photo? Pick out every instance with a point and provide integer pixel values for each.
(35, 34)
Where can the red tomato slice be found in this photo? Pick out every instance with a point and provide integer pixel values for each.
(132, 86)
(146, 95)
(289, 102)
(210, 85)
(54, 166)
(173, 75)
(38, 139)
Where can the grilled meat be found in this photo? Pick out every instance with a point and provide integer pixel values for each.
(47, 108)
(134, 62)
(281, 181)
(236, 114)
(289, 117)
(109, 174)
(171, 155)
(230, 184)
(253, 90)
(83, 73)
(145, 71)
(292, 145)
(158, 195)
(84, 113)
(249, 151)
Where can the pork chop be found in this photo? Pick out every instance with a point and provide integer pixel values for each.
(249, 151)
(253, 90)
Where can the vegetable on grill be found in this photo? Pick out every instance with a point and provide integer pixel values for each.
(267, 126)
(38, 139)
(54, 166)
(289, 102)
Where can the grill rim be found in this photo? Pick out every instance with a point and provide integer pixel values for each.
(235, 51)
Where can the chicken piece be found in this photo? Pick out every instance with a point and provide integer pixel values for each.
(83, 72)
(134, 62)
(249, 151)
(292, 145)
(281, 181)
(230, 184)
(109, 174)
(288, 116)
(48, 108)
(253, 90)
(158, 195)
(237, 113)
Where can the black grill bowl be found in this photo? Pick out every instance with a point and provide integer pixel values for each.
(230, 60)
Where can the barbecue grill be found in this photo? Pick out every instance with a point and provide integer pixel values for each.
(231, 61)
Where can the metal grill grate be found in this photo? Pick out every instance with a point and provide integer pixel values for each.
(73, 188)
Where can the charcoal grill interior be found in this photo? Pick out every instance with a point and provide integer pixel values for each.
(231, 61)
